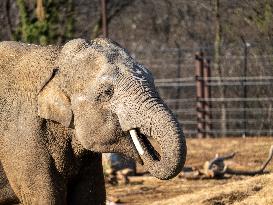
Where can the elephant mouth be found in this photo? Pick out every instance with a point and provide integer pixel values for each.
(143, 146)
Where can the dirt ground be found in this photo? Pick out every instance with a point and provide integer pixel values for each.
(250, 154)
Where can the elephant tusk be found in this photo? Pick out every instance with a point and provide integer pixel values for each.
(136, 142)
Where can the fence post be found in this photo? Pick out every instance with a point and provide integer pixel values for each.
(207, 96)
(199, 64)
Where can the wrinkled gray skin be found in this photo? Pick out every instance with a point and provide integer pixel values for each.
(60, 107)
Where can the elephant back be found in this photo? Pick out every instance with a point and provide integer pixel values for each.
(26, 67)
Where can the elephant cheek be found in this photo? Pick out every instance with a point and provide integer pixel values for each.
(85, 129)
(81, 137)
(98, 133)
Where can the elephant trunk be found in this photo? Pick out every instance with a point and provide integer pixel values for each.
(161, 125)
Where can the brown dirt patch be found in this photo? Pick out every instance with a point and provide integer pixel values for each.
(251, 152)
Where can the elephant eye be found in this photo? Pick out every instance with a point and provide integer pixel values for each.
(105, 94)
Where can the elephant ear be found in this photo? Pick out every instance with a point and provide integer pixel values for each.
(53, 104)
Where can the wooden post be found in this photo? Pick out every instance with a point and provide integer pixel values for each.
(199, 64)
(207, 96)
(104, 18)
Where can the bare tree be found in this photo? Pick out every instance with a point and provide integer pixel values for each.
(8, 20)
(217, 64)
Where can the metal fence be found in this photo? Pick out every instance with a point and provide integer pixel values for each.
(238, 103)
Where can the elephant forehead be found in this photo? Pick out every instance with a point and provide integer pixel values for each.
(125, 67)
(132, 67)
(107, 45)
(113, 52)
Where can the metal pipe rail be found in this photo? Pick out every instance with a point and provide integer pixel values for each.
(219, 99)
(240, 83)
(235, 131)
(233, 78)
(232, 120)
(167, 80)
(236, 120)
(240, 78)
(190, 84)
(239, 131)
(236, 99)
(252, 131)
(235, 83)
(180, 100)
(254, 109)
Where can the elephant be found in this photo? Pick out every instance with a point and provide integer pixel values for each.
(62, 106)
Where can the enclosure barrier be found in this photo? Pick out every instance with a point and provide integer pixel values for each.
(247, 114)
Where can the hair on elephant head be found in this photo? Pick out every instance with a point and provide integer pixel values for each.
(112, 103)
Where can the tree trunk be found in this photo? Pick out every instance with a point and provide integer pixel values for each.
(217, 64)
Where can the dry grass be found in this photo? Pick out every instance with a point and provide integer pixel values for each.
(250, 191)
(251, 152)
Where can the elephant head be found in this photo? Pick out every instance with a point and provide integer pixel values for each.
(112, 104)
